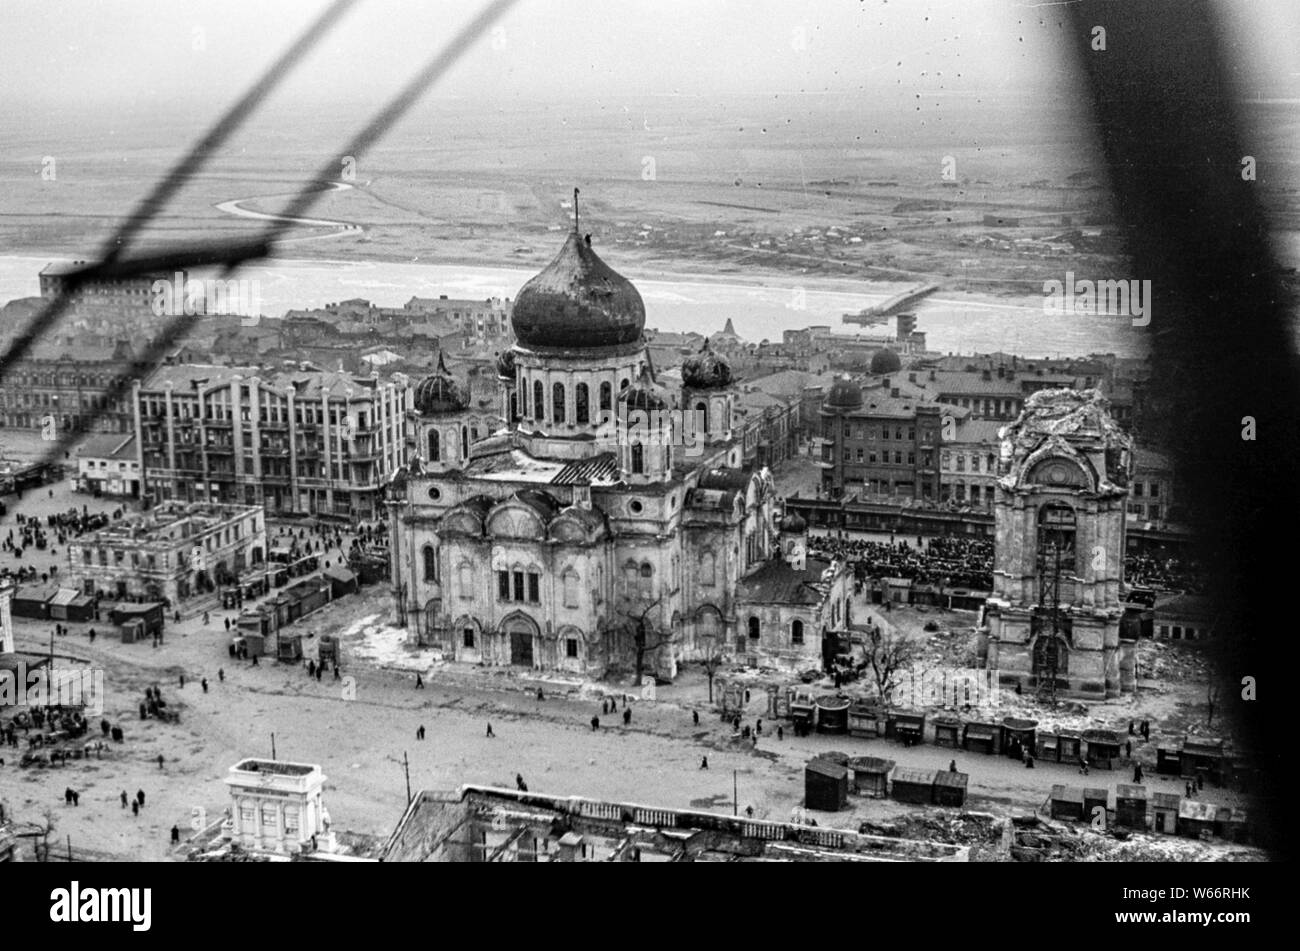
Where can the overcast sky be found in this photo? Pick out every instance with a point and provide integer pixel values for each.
(144, 51)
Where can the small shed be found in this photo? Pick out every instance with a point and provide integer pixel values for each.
(1067, 802)
(909, 727)
(33, 601)
(871, 776)
(289, 648)
(832, 714)
(1103, 748)
(1169, 759)
(149, 615)
(909, 784)
(1196, 818)
(1131, 806)
(980, 738)
(1164, 807)
(1047, 747)
(1069, 746)
(342, 581)
(947, 731)
(1094, 797)
(826, 785)
(1232, 824)
(69, 604)
(950, 788)
(1203, 756)
(328, 650)
(867, 720)
(1018, 736)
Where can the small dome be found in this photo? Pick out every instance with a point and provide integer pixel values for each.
(885, 361)
(506, 365)
(578, 302)
(706, 370)
(844, 394)
(644, 393)
(439, 393)
(793, 524)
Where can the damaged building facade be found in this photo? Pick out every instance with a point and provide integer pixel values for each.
(607, 523)
(1053, 622)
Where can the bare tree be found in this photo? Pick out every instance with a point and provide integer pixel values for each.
(713, 660)
(644, 639)
(889, 654)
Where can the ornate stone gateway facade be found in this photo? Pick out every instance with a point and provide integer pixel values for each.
(1053, 621)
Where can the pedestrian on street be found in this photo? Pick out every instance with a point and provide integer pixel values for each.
(627, 717)
(123, 798)
(1128, 748)
(419, 682)
(221, 674)
(749, 812)
(204, 683)
(139, 797)
(205, 618)
(182, 680)
(92, 635)
(695, 717)
(758, 725)
(1137, 772)
(1130, 727)
(704, 762)
(780, 732)
(336, 671)
(160, 766)
(135, 808)
(952, 766)
(519, 782)
(176, 835)
(489, 731)
(540, 694)
(595, 722)
(319, 672)
(227, 624)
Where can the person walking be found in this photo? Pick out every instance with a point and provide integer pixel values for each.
(519, 782)
(489, 731)
(204, 683)
(595, 722)
(123, 798)
(160, 766)
(221, 674)
(952, 766)
(176, 835)
(135, 808)
(419, 682)
(695, 717)
(1137, 772)
(627, 717)
(704, 762)
(139, 797)
(1128, 749)
(780, 732)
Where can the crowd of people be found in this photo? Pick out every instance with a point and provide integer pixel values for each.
(1164, 574)
(953, 561)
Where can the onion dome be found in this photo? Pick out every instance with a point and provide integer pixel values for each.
(844, 395)
(706, 370)
(578, 302)
(506, 365)
(439, 393)
(793, 524)
(885, 361)
(644, 393)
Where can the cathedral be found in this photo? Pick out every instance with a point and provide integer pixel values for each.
(608, 524)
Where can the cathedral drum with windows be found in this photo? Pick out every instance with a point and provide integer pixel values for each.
(600, 528)
(1053, 622)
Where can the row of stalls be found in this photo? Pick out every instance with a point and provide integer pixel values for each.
(52, 603)
(828, 779)
(1138, 809)
(259, 629)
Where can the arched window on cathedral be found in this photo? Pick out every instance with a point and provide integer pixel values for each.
(570, 588)
(753, 628)
(539, 400)
(523, 396)
(557, 409)
(702, 415)
(464, 443)
(581, 412)
(606, 396)
(430, 563)
(796, 632)
(647, 582)
(638, 458)
(434, 454)
(623, 385)
(708, 569)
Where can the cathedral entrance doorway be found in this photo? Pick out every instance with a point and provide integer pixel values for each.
(522, 633)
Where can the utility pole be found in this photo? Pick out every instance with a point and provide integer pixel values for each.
(272, 747)
(406, 767)
(735, 796)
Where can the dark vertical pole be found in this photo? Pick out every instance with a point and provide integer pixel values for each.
(273, 746)
(735, 794)
(406, 765)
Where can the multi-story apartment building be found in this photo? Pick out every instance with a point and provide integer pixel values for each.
(310, 442)
(484, 322)
(60, 386)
